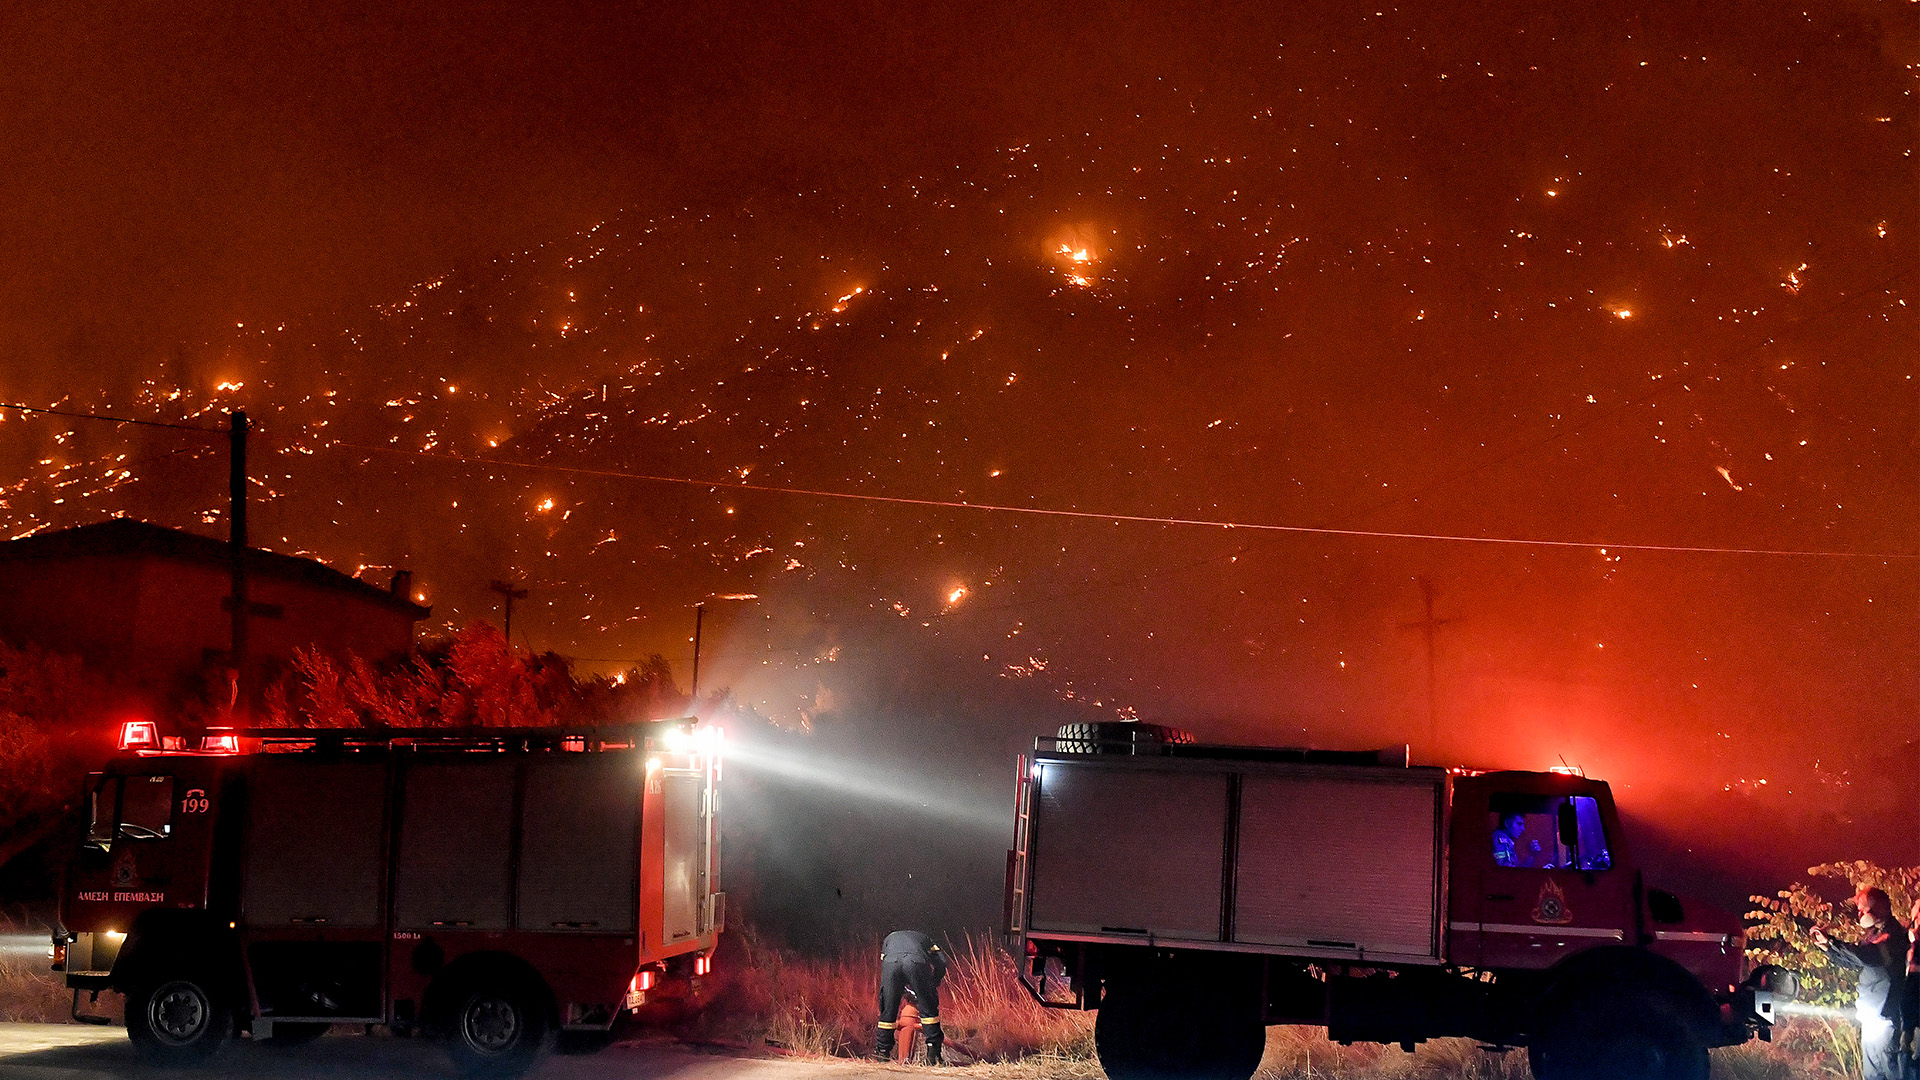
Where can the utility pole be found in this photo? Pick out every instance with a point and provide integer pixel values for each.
(237, 552)
(511, 594)
(1429, 627)
(699, 616)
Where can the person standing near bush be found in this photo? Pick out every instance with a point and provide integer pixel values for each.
(1880, 956)
(910, 963)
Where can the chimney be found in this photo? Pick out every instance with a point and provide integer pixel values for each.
(402, 585)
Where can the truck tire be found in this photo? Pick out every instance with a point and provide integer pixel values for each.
(1622, 1036)
(1116, 737)
(178, 1017)
(498, 1028)
(1165, 1024)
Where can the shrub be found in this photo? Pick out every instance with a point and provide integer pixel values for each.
(1783, 925)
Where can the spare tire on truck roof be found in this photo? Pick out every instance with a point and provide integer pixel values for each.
(1118, 737)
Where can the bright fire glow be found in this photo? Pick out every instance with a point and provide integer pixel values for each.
(1076, 254)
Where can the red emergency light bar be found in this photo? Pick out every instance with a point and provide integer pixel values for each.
(139, 735)
(225, 743)
(703, 965)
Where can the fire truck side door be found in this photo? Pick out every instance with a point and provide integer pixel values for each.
(1547, 893)
(685, 872)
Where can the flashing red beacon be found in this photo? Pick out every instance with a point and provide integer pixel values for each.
(139, 735)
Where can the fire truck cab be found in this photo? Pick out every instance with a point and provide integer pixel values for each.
(499, 888)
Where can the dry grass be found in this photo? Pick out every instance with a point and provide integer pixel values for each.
(1305, 1053)
(30, 992)
(987, 1013)
(1803, 1048)
(827, 1007)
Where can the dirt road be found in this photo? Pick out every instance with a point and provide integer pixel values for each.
(74, 1052)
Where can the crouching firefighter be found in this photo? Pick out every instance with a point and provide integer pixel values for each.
(910, 963)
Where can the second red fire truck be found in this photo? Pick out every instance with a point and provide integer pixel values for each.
(1195, 894)
(499, 888)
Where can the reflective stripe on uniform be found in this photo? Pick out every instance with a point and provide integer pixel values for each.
(886, 1025)
(929, 1019)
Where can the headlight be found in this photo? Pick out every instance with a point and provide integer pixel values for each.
(1784, 985)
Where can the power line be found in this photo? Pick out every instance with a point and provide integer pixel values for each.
(1526, 447)
(113, 419)
(1133, 519)
(1617, 411)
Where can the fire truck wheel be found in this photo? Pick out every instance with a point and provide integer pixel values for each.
(1618, 1037)
(499, 1028)
(179, 1018)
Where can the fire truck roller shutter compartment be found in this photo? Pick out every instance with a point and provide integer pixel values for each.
(1340, 864)
(579, 839)
(456, 837)
(330, 812)
(685, 873)
(1102, 830)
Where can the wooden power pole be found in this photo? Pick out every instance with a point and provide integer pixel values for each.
(1429, 628)
(510, 594)
(699, 617)
(237, 552)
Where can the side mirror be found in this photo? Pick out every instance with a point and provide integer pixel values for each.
(1569, 823)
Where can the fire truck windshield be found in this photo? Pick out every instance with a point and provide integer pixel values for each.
(1528, 832)
(144, 806)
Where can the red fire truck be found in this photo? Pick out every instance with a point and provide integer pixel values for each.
(1194, 894)
(501, 888)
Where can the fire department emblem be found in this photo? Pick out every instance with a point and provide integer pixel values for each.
(123, 870)
(1551, 908)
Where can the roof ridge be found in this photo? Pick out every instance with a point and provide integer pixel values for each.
(124, 536)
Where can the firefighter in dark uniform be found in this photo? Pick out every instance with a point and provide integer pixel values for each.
(910, 963)
(1880, 958)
